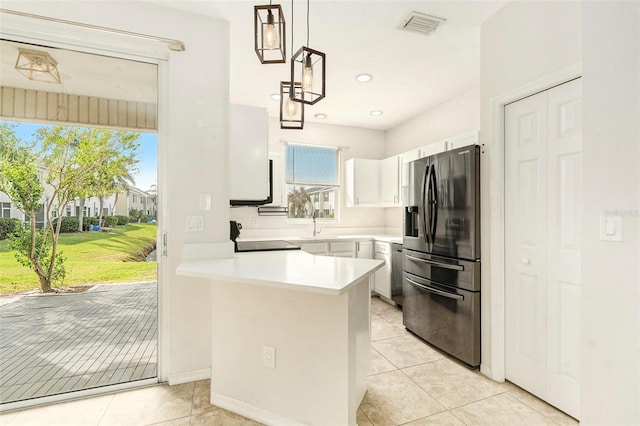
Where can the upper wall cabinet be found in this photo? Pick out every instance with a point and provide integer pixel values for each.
(390, 182)
(248, 153)
(361, 182)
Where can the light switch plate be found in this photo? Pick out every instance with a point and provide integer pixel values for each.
(610, 228)
(205, 202)
(195, 223)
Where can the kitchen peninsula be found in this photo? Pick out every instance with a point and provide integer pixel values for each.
(290, 334)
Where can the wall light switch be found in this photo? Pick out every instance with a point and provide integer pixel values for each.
(205, 202)
(195, 223)
(610, 228)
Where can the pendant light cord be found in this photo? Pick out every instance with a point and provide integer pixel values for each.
(307, 23)
(292, 29)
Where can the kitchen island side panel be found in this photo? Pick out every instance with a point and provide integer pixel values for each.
(322, 351)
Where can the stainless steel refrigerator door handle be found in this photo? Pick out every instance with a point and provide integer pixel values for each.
(433, 218)
(423, 204)
(438, 264)
(435, 291)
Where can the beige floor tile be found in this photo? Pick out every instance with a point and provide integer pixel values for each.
(406, 351)
(440, 419)
(82, 412)
(382, 308)
(217, 416)
(184, 421)
(453, 384)
(394, 317)
(362, 419)
(501, 409)
(5, 418)
(150, 405)
(392, 399)
(379, 364)
(382, 329)
(542, 407)
(201, 397)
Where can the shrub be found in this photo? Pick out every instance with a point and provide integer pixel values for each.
(69, 224)
(122, 220)
(7, 227)
(90, 220)
(110, 221)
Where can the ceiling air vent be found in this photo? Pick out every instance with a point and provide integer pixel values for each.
(422, 23)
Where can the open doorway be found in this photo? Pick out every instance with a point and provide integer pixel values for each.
(94, 324)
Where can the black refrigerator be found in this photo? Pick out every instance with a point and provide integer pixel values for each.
(441, 248)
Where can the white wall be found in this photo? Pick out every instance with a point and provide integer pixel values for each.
(192, 144)
(456, 116)
(522, 42)
(610, 270)
(361, 143)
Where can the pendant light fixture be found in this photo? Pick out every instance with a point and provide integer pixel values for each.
(291, 111)
(309, 65)
(269, 34)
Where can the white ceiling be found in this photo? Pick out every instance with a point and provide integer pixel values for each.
(411, 72)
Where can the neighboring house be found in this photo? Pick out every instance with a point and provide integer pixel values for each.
(134, 198)
(323, 200)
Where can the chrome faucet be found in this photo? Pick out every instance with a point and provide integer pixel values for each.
(315, 215)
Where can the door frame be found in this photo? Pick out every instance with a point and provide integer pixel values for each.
(494, 332)
(143, 52)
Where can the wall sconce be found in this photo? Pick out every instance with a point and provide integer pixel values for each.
(37, 66)
(291, 111)
(269, 34)
(308, 66)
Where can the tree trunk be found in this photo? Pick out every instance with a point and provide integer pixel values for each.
(81, 215)
(101, 198)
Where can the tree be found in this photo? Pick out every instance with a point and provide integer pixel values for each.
(298, 200)
(73, 159)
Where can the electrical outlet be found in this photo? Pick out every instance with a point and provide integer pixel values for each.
(195, 223)
(269, 356)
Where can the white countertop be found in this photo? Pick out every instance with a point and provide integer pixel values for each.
(320, 238)
(290, 269)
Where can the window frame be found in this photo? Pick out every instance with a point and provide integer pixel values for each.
(337, 187)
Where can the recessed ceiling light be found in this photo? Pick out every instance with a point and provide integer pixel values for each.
(363, 78)
(275, 96)
(376, 113)
(320, 116)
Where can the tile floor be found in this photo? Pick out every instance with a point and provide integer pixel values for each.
(409, 383)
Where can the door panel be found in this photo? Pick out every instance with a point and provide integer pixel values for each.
(525, 222)
(543, 180)
(563, 246)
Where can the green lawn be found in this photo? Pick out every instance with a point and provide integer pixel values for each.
(91, 257)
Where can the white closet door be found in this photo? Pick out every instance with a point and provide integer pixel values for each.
(543, 218)
(525, 222)
(563, 247)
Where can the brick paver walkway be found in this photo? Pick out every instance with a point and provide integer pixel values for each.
(56, 343)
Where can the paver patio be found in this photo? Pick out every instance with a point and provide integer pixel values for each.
(57, 343)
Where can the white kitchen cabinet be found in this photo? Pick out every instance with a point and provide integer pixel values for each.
(382, 277)
(248, 153)
(389, 182)
(336, 249)
(315, 248)
(465, 139)
(404, 160)
(361, 182)
(279, 193)
(364, 249)
(432, 148)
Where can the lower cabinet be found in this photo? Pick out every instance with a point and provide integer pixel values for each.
(364, 250)
(337, 249)
(382, 276)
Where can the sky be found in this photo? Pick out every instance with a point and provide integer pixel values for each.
(147, 152)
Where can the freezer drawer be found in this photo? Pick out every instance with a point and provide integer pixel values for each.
(446, 317)
(459, 273)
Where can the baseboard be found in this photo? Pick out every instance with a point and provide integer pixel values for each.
(189, 376)
(249, 411)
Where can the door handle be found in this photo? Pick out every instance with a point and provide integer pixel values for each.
(436, 291)
(424, 201)
(438, 264)
(433, 205)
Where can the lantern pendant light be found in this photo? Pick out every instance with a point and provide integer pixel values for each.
(291, 111)
(269, 34)
(309, 66)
